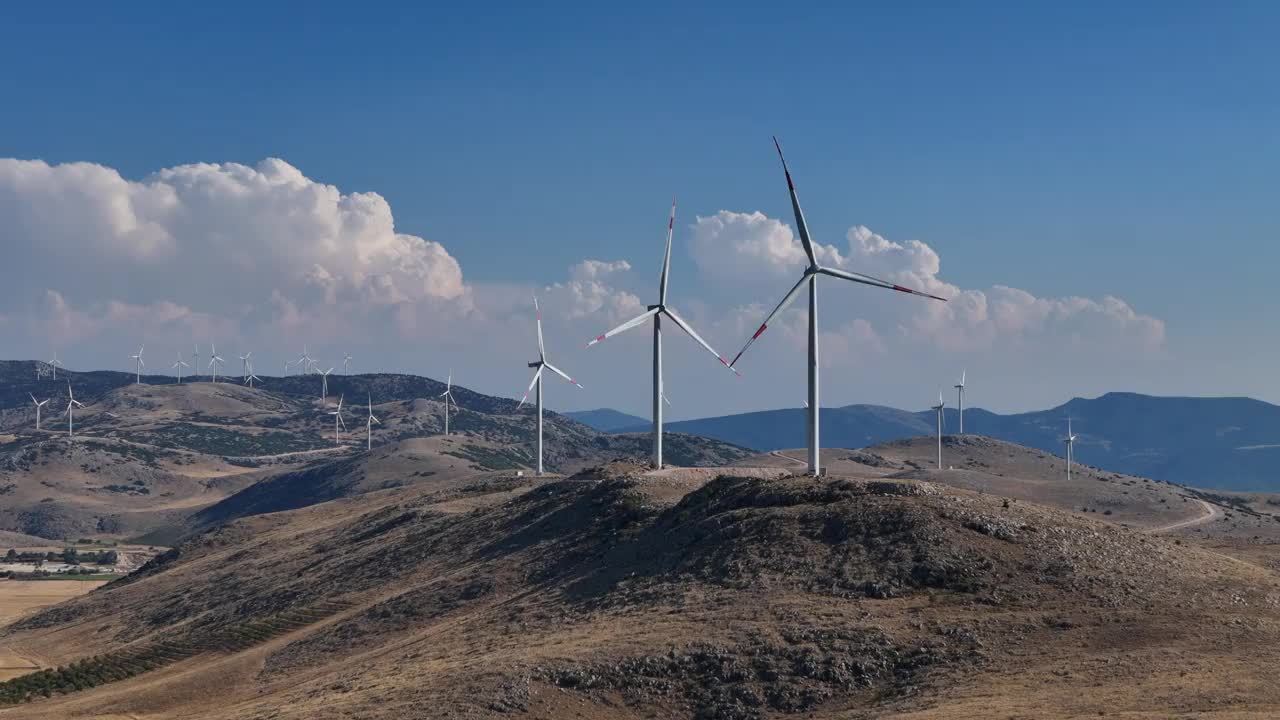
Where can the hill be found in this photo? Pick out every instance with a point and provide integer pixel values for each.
(146, 457)
(619, 593)
(1228, 443)
(607, 420)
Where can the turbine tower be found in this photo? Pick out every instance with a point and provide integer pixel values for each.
(39, 404)
(368, 423)
(250, 378)
(324, 383)
(305, 362)
(214, 361)
(179, 365)
(72, 404)
(541, 365)
(939, 408)
(337, 420)
(346, 364)
(656, 312)
(448, 398)
(138, 359)
(960, 399)
(1070, 441)
(810, 277)
(195, 358)
(246, 361)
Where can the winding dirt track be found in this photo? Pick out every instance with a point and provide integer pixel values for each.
(1211, 512)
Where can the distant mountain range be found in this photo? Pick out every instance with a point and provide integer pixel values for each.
(1226, 443)
(607, 419)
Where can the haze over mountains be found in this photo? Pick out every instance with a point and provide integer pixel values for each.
(1227, 443)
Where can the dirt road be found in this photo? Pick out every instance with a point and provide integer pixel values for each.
(1211, 512)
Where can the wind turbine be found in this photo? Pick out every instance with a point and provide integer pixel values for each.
(1070, 441)
(939, 408)
(246, 361)
(141, 364)
(346, 364)
(195, 358)
(448, 398)
(369, 426)
(54, 364)
(287, 363)
(324, 383)
(72, 403)
(214, 361)
(960, 399)
(251, 377)
(337, 420)
(179, 365)
(304, 362)
(541, 364)
(810, 277)
(39, 404)
(656, 312)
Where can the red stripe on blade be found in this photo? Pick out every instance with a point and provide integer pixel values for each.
(600, 339)
(762, 329)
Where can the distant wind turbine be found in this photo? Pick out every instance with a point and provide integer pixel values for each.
(541, 365)
(810, 278)
(337, 420)
(214, 362)
(54, 364)
(960, 399)
(656, 312)
(324, 383)
(39, 404)
(287, 363)
(72, 404)
(1070, 441)
(448, 399)
(941, 420)
(246, 361)
(369, 426)
(346, 364)
(179, 365)
(195, 358)
(141, 365)
(251, 378)
(305, 362)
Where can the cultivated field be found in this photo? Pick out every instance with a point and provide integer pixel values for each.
(22, 597)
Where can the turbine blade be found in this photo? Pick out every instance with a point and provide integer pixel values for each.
(561, 373)
(671, 313)
(625, 326)
(532, 382)
(801, 226)
(786, 300)
(666, 261)
(874, 282)
(537, 312)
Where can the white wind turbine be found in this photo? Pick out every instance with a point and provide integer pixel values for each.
(305, 362)
(448, 400)
(1070, 441)
(195, 358)
(369, 426)
(656, 312)
(324, 383)
(940, 407)
(140, 365)
(246, 362)
(214, 361)
(541, 364)
(39, 404)
(346, 364)
(72, 403)
(287, 363)
(810, 278)
(251, 378)
(54, 364)
(179, 365)
(337, 420)
(960, 399)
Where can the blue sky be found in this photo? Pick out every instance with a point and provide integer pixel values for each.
(1082, 150)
